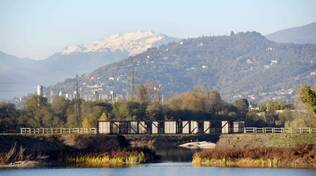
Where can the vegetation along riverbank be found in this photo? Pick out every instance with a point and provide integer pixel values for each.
(70, 150)
(112, 159)
(303, 156)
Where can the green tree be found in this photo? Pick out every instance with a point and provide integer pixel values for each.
(215, 102)
(241, 104)
(59, 107)
(120, 110)
(274, 106)
(129, 110)
(92, 111)
(36, 112)
(8, 116)
(308, 97)
(154, 111)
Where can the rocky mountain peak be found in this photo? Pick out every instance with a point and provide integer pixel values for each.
(132, 42)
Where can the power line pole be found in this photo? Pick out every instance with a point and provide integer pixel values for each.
(133, 81)
(77, 101)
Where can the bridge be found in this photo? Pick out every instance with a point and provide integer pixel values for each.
(168, 127)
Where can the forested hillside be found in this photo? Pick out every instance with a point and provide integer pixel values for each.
(240, 65)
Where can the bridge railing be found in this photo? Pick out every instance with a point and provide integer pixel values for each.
(255, 130)
(248, 130)
(53, 131)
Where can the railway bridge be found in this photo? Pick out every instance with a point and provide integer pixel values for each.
(170, 127)
(167, 127)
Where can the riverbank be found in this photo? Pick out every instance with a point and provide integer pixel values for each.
(99, 150)
(253, 141)
(23, 164)
(297, 157)
(112, 159)
(70, 150)
(260, 150)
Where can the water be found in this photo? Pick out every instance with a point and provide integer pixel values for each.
(158, 169)
(174, 162)
(175, 155)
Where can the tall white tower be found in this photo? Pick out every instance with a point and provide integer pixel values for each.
(39, 90)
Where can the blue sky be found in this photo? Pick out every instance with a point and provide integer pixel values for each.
(39, 28)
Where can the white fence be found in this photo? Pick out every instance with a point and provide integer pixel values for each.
(248, 130)
(255, 130)
(52, 131)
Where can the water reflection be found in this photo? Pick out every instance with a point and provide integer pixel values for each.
(175, 154)
(158, 169)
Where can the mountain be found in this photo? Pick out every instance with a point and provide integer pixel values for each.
(20, 76)
(301, 35)
(240, 65)
(132, 43)
(79, 59)
(15, 74)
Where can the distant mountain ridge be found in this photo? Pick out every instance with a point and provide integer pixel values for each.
(15, 75)
(301, 35)
(240, 65)
(133, 43)
(20, 76)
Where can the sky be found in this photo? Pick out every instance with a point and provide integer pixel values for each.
(39, 28)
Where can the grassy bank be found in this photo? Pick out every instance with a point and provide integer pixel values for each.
(18, 157)
(298, 157)
(70, 150)
(253, 141)
(113, 159)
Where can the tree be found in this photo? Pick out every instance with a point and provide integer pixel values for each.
(87, 121)
(129, 110)
(304, 114)
(140, 94)
(92, 111)
(120, 110)
(71, 121)
(306, 106)
(154, 111)
(36, 112)
(8, 116)
(186, 101)
(59, 107)
(104, 116)
(106, 110)
(274, 106)
(241, 104)
(215, 102)
(197, 101)
(308, 97)
(137, 111)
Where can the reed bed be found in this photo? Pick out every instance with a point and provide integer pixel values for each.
(112, 159)
(298, 157)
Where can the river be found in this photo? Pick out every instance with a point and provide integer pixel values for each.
(173, 162)
(158, 169)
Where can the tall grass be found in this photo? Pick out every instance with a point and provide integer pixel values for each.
(19, 153)
(300, 156)
(113, 159)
